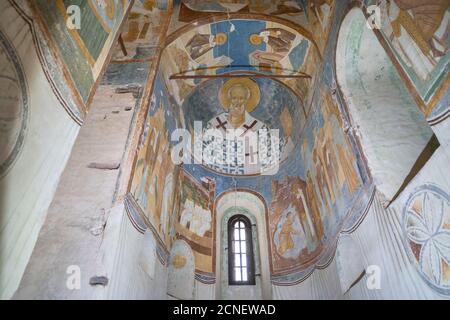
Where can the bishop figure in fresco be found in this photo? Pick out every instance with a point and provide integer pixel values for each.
(252, 142)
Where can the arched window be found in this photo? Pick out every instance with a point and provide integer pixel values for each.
(241, 266)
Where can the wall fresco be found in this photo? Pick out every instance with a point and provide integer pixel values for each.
(194, 220)
(155, 175)
(417, 32)
(312, 15)
(426, 224)
(143, 30)
(239, 45)
(83, 51)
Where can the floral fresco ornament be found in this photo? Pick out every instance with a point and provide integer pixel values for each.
(426, 224)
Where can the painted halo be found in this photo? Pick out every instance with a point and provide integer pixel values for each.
(255, 93)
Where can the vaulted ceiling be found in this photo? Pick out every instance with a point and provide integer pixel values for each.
(270, 42)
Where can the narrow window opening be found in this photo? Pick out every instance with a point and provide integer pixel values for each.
(240, 252)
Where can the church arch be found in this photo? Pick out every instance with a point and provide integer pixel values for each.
(392, 130)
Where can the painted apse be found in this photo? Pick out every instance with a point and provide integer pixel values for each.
(322, 187)
(320, 178)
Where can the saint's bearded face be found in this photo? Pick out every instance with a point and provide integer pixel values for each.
(238, 100)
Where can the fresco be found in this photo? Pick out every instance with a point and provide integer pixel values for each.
(180, 284)
(83, 50)
(319, 180)
(194, 220)
(155, 174)
(307, 211)
(418, 33)
(426, 225)
(143, 30)
(313, 15)
(13, 105)
(296, 230)
(315, 189)
(265, 105)
(239, 45)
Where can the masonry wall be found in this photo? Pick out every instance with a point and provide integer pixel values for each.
(38, 131)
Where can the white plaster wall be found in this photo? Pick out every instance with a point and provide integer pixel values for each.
(129, 261)
(321, 285)
(28, 188)
(442, 131)
(381, 239)
(204, 291)
(392, 129)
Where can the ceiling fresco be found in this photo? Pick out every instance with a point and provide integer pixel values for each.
(143, 30)
(246, 47)
(313, 15)
(418, 35)
(85, 50)
(272, 65)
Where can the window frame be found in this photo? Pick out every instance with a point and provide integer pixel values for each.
(249, 251)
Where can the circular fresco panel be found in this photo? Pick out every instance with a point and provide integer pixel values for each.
(13, 105)
(426, 224)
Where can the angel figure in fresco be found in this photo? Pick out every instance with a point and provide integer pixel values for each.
(278, 39)
(418, 30)
(323, 182)
(278, 54)
(340, 159)
(286, 233)
(200, 44)
(279, 42)
(289, 236)
(321, 10)
(290, 7)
